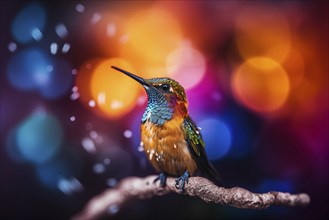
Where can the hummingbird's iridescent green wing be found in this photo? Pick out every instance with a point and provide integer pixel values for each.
(193, 136)
(196, 147)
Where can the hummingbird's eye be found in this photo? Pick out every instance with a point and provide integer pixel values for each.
(165, 87)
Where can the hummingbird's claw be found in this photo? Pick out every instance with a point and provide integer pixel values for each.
(180, 182)
(163, 178)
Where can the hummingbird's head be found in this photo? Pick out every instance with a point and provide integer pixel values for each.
(162, 89)
(169, 88)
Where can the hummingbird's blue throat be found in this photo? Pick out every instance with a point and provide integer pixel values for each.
(158, 109)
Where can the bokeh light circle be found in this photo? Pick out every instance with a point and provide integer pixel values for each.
(29, 19)
(32, 69)
(51, 172)
(12, 149)
(83, 79)
(28, 68)
(262, 32)
(186, 65)
(276, 185)
(58, 79)
(115, 94)
(217, 137)
(152, 34)
(261, 84)
(39, 137)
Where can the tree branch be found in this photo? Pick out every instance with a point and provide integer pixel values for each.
(111, 200)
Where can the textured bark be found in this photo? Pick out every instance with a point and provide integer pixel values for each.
(129, 188)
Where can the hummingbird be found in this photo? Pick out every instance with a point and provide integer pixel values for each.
(172, 142)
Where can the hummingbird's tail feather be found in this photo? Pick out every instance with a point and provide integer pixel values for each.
(209, 171)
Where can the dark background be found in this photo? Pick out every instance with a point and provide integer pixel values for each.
(252, 144)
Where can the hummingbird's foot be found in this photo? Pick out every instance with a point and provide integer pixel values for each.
(180, 181)
(163, 178)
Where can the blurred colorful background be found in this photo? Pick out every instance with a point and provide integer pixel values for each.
(255, 73)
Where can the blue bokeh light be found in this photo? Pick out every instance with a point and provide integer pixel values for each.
(12, 148)
(244, 128)
(30, 18)
(26, 67)
(276, 185)
(53, 171)
(32, 69)
(39, 137)
(217, 137)
(60, 79)
(69, 185)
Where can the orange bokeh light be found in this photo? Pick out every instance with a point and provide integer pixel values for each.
(151, 35)
(83, 79)
(114, 93)
(261, 84)
(262, 32)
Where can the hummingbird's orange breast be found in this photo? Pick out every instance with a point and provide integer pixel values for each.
(166, 147)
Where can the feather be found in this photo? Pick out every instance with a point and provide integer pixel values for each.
(196, 146)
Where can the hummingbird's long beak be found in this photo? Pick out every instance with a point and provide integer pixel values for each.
(137, 78)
